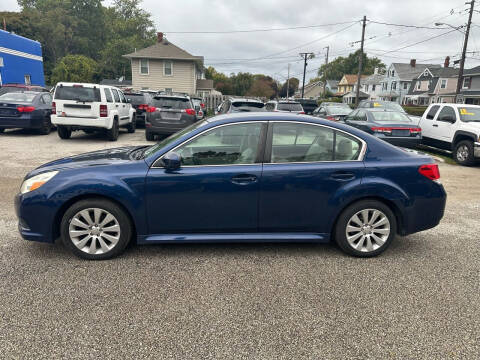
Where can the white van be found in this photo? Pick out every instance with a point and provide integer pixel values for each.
(91, 107)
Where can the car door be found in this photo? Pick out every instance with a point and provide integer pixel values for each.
(125, 109)
(306, 166)
(443, 125)
(216, 188)
(427, 123)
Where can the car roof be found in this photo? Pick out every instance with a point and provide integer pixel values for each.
(245, 100)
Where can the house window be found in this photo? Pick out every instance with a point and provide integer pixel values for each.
(394, 85)
(443, 84)
(168, 90)
(419, 85)
(167, 68)
(144, 67)
(28, 80)
(393, 73)
(373, 87)
(405, 86)
(466, 82)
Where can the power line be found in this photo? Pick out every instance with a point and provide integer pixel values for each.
(259, 30)
(408, 26)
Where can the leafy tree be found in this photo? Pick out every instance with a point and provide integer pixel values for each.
(241, 83)
(349, 65)
(292, 86)
(74, 68)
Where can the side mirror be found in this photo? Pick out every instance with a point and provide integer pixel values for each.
(172, 161)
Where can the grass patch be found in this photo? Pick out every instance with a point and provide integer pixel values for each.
(439, 153)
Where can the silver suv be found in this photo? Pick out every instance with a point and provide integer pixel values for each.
(285, 106)
(235, 105)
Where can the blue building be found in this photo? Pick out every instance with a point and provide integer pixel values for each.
(21, 60)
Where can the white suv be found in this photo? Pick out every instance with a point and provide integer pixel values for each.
(91, 107)
(454, 127)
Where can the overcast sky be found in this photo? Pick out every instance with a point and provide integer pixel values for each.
(226, 51)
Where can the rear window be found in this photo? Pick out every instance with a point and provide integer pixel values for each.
(135, 99)
(171, 103)
(469, 114)
(248, 104)
(390, 116)
(78, 93)
(290, 107)
(387, 106)
(338, 110)
(17, 97)
(196, 102)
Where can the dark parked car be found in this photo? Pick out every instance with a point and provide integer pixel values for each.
(235, 105)
(6, 88)
(332, 112)
(244, 177)
(308, 105)
(168, 114)
(392, 126)
(27, 110)
(140, 102)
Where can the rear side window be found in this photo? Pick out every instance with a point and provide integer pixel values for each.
(171, 103)
(115, 95)
(346, 147)
(432, 112)
(77, 93)
(108, 95)
(290, 107)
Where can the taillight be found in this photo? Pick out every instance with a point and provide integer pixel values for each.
(189, 111)
(202, 105)
(302, 112)
(103, 111)
(151, 109)
(25, 109)
(430, 171)
(330, 118)
(415, 130)
(384, 130)
(54, 108)
(142, 107)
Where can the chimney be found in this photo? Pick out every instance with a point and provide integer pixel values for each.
(447, 62)
(375, 70)
(159, 37)
(413, 62)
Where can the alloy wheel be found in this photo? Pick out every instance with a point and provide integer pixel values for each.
(94, 231)
(368, 230)
(463, 153)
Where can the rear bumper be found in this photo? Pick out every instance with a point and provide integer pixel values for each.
(476, 149)
(20, 122)
(105, 123)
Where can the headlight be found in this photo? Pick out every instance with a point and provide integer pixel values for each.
(36, 181)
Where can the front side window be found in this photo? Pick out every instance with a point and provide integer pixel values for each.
(311, 143)
(122, 97)
(144, 70)
(224, 145)
(446, 114)
(167, 68)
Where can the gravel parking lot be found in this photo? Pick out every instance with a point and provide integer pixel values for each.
(259, 301)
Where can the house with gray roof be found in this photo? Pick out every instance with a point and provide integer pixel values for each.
(398, 78)
(470, 90)
(372, 85)
(331, 86)
(433, 85)
(165, 66)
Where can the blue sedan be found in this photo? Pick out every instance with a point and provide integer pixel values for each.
(243, 177)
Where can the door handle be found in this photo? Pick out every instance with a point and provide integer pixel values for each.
(435, 125)
(342, 175)
(244, 179)
(116, 105)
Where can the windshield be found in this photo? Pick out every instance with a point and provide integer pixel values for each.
(17, 97)
(77, 93)
(390, 116)
(135, 99)
(171, 103)
(469, 114)
(290, 107)
(338, 110)
(172, 138)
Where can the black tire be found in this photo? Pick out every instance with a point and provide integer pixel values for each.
(88, 131)
(132, 126)
(112, 208)
(112, 134)
(46, 126)
(346, 216)
(463, 153)
(149, 136)
(64, 132)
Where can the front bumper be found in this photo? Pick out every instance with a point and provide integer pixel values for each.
(80, 122)
(36, 228)
(476, 149)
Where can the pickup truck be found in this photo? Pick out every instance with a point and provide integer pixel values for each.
(453, 127)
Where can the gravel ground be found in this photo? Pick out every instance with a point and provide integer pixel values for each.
(419, 300)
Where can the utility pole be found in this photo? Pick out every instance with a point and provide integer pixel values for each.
(360, 61)
(325, 73)
(464, 52)
(305, 56)
(288, 80)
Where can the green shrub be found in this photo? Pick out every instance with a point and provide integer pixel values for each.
(415, 110)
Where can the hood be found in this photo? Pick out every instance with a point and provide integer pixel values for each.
(95, 158)
(473, 126)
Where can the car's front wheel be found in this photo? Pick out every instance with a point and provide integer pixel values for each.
(132, 126)
(365, 228)
(46, 126)
(95, 229)
(463, 153)
(149, 136)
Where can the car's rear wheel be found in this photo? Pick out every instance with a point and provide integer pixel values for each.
(64, 132)
(365, 228)
(149, 136)
(463, 153)
(88, 131)
(2, 130)
(112, 134)
(46, 126)
(132, 126)
(95, 229)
